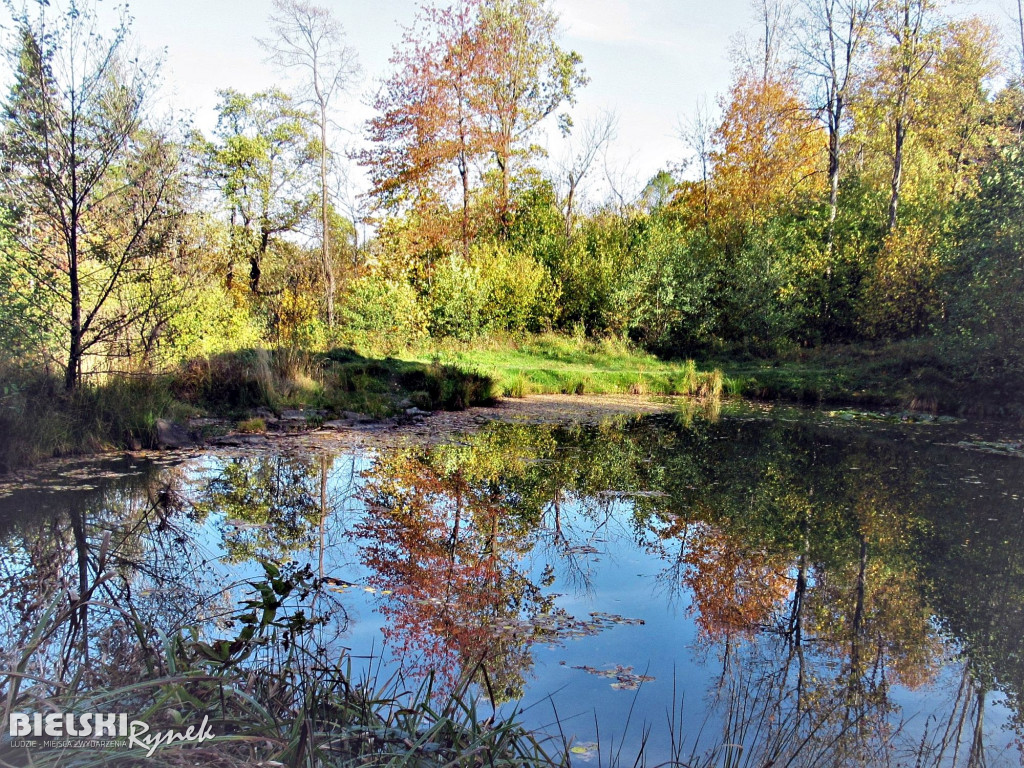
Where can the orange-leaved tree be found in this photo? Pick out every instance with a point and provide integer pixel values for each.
(765, 153)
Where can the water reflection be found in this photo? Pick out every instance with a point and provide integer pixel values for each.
(87, 591)
(825, 595)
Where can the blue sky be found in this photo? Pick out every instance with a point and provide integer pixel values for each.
(651, 61)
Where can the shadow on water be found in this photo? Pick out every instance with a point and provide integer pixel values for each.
(743, 591)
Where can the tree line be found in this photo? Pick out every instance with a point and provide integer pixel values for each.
(862, 181)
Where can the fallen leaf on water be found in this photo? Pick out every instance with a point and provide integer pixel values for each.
(625, 678)
(584, 751)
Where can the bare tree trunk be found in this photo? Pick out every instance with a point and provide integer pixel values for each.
(464, 177)
(1020, 23)
(568, 208)
(908, 34)
(897, 170)
(255, 272)
(833, 179)
(328, 263)
(229, 278)
(81, 623)
(308, 37)
(504, 217)
(72, 376)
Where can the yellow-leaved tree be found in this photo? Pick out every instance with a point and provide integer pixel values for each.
(765, 155)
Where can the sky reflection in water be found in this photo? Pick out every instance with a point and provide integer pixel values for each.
(750, 588)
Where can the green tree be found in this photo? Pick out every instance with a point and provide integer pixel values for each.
(264, 162)
(989, 305)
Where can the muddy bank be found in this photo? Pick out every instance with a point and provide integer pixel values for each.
(420, 428)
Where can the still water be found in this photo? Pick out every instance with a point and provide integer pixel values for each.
(757, 588)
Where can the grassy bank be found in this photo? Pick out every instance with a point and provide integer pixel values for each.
(38, 419)
(552, 364)
(919, 374)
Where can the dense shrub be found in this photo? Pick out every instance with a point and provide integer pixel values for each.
(212, 321)
(900, 296)
(382, 314)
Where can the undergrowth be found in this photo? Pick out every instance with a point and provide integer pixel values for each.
(38, 419)
(271, 695)
(925, 374)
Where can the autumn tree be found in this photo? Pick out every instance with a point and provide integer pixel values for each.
(765, 150)
(472, 82)
(89, 187)
(922, 134)
(426, 137)
(527, 77)
(308, 39)
(956, 129)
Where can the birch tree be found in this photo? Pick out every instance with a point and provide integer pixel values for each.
(309, 40)
(833, 37)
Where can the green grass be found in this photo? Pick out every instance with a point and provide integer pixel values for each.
(38, 420)
(552, 364)
(917, 374)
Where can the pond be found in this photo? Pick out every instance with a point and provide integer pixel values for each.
(757, 587)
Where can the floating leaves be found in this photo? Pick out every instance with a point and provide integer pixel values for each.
(1008, 448)
(559, 625)
(625, 678)
(613, 618)
(634, 494)
(899, 417)
(553, 626)
(341, 586)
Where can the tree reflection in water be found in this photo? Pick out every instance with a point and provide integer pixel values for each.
(799, 556)
(826, 572)
(93, 577)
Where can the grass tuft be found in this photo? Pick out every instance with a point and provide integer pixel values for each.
(254, 426)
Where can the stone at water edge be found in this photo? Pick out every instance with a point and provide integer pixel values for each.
(171, 435)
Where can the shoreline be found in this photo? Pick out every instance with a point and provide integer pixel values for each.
(433, 427)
